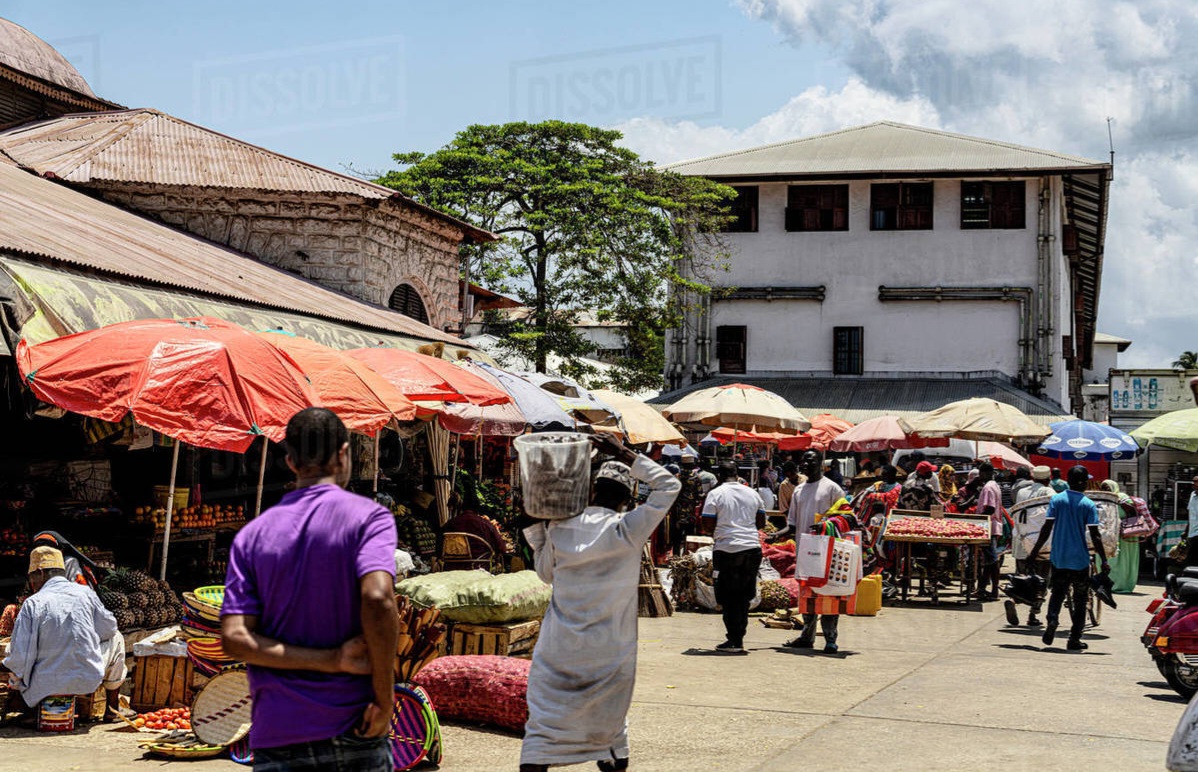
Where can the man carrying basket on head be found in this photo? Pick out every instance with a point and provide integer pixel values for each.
(584, 665)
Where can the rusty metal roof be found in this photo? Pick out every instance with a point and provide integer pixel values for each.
(149, 146)
(51, 221)
(22, 50)
(883, 148)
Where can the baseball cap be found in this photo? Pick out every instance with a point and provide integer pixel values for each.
(616, 472)
(925, 467)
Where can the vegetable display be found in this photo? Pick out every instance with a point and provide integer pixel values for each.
(167, 718)
(927, 528)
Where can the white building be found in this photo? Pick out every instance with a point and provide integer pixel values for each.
(1096, 378)
(891, 253)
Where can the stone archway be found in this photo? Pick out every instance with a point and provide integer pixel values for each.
(406, 299)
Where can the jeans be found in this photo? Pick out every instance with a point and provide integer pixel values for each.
(735, 588)
(344, 753)
(828, 623)
(1063, 580)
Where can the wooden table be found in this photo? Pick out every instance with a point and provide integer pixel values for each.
(969, 548)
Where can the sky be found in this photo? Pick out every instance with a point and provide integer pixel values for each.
(345, 86)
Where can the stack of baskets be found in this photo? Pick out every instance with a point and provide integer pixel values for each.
(201, 611)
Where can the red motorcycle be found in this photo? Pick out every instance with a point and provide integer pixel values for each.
(1172, 633)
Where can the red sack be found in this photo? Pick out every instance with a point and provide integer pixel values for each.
(782, 559)
(481, 688)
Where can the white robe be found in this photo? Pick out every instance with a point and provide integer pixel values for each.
(584, 664)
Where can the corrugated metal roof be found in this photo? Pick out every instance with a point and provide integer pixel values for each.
(884, 147)
(22, 50)
(50, 220)
(859, 399)
(149, 146)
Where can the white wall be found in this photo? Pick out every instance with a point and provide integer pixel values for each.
(1106, 358)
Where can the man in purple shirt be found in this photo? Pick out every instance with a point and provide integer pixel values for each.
(309, 606)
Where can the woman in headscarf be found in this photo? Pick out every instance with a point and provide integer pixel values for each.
(1125, 566)
(948, 482)
(80, 569)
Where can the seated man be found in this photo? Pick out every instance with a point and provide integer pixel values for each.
(63, 642)
(477, 525)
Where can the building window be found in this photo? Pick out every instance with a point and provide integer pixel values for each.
(730, 348)
(848, 355)
(406, 300)
(817, 208)
(993, 205)
(744, 211)
(900, 206)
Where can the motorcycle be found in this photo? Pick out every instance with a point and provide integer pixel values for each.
(1172, 633)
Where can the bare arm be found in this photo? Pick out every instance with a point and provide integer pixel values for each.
(1096, 540)
(1045, 532)
(380, 628)
(240, 640)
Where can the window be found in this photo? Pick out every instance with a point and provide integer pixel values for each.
(848, 357)
(992, 205)
(817, 208)
(900, 206)
(406, 300)
(730, 349)
(744, 209)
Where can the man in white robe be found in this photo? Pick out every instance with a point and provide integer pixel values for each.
(584, 665)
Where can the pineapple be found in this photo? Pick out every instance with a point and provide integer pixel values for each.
(139, 601)
(140, 582)
(113, 600)
(125, 619)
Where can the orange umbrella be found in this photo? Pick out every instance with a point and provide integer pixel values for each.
(505, 420)
(826, 427)
(362, 398)
(795, 441)
(428, 379)
(882, 433)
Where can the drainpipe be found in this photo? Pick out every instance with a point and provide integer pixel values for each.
(703, 341)
(1044, 322)
(1022, 295)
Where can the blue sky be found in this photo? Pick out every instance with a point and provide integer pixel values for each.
(392, 76)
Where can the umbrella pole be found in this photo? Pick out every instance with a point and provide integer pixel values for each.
(377, 437)
(261, 477)
(170, 510)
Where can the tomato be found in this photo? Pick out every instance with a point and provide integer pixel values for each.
(172, 725)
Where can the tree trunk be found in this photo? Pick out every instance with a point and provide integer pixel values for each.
(541, 322)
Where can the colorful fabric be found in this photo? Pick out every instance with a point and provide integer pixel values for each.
(297, 568)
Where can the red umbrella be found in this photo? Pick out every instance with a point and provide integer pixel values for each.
(428, 379)
(362, 398)
(203, 381)
(881, 433)
(783, 441)
(504, 420)
(826, 427)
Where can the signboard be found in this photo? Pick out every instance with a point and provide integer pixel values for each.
(1150, 391)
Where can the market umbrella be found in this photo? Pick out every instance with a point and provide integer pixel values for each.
(503, 420)
(826, 427)
(739, 406)
(640, 422)
(201, 381)
(1001, 455)
(881, 433)
(540, 409)
(572, 397)
(361, 398)
(1087, 441)
(1177, 430)
(727, 434)
(422, 378)
(978, 418)
(674, 451)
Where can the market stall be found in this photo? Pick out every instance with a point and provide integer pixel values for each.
(961, 537)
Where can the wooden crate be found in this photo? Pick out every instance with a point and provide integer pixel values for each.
(161, 682)
(90, 707)
(514, 639)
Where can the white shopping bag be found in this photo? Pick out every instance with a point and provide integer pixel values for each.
(844, 571)
(813, 559)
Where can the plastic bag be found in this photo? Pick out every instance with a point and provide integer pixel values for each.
(813, 559)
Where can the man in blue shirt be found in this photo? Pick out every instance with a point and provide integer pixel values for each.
(1070, 516)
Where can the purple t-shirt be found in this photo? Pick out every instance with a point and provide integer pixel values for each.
(297, 568)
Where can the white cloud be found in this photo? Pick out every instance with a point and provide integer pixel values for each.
(1041, 74)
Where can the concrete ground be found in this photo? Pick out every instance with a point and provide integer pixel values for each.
(918, 687)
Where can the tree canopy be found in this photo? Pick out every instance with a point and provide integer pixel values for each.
(586, 226)
(1188, 360)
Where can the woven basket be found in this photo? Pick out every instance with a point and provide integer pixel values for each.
(201, 609)
(221, 712)
(213, 595)
(183, 751)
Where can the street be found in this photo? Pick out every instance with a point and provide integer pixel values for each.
(917, 687)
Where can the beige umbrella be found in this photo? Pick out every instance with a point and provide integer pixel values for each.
(641, 423)
(739, 406)
(978, 418)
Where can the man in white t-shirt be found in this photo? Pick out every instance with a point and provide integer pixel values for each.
(738, 513)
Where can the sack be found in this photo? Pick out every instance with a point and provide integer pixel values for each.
(478, 598)
(1141, 525)
(845, 571)
(484, 688)
(813, 559)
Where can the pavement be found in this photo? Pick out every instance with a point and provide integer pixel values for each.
(918, 687)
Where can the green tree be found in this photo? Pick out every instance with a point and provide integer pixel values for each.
(1187, 361)
(585, 225)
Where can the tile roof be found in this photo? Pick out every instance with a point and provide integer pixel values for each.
(859, 399)
(149, 146)
(50, 220)
(884, 147)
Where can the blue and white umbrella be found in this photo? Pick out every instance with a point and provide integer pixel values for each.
(1087, 441)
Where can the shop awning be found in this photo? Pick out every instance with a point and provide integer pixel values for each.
(47, 301)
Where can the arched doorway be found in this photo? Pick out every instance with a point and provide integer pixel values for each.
(406, 300)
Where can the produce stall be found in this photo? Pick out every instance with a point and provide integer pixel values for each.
(967, 533)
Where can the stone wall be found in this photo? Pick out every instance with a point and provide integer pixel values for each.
(362, 247)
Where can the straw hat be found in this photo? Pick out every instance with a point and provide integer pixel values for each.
(44, 559)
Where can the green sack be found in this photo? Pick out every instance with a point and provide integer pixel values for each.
(478, 598)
